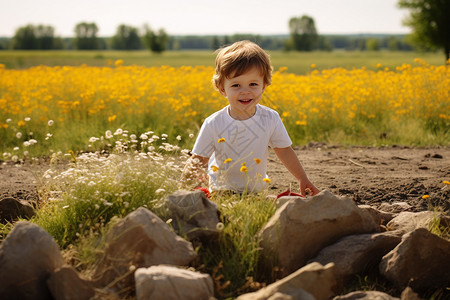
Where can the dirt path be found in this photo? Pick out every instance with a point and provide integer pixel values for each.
(374, 175)
(368, 175)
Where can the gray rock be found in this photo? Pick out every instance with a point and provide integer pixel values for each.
(366, 295)
(66, 284)
(313, 281)
(12, 209)
(168, 282)
(408, 221)
(353, 254)
(141, 239)
(28, 256)
(420, 261)
(301, 228)
(194, 215)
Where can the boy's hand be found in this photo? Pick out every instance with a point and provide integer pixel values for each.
(307, 188)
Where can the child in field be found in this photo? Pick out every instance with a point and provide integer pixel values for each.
(233, 143)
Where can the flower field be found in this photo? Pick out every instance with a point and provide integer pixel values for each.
(46, 109)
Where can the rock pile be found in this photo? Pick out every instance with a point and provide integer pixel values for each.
(318, 243)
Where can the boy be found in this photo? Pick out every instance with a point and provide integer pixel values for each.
(233, 142)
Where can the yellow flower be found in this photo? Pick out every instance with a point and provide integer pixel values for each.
(111, 118)
(227, 160)
(221, 140)
(244, 169)
(257, 161)
(243, 164)
(215, 168)
(313, 66)
(266, 180)
(21, 123)
(446, 182)
(118, 62)
(425, 196)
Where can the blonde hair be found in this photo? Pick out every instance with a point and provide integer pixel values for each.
(238, 58)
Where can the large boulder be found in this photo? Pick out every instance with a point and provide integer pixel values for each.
(301, 228)
(141, 239)
(66, 284)
(11, 209)
(172, 283)
(408, 221)
(28, 256)
(420, 261)
(352, 254)
(193, 214)
(313, 281)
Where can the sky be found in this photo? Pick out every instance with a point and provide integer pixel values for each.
(204, 17)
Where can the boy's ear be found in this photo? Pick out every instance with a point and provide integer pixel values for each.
(222, 91)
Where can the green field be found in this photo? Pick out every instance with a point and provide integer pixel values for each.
(296, 62)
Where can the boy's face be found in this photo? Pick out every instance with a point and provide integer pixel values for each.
(243, 93)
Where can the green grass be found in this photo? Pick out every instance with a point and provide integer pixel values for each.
(296, 62)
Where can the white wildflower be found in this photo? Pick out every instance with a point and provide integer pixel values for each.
(8, 120)
(26, 144)
(178, 137)
(50, 122)
(19, 135)
(119, 131)
(16, 148)
(27, 119)
(108, 134)
(93, 139)
(191, 135)
(159, 191)
(143, 136)
(220, 226)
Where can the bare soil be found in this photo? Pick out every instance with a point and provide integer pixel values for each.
(367, 175)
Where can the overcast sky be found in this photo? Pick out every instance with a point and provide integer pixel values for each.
(198, 17)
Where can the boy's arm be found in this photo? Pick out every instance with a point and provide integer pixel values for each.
(291, 162)
(195, 171)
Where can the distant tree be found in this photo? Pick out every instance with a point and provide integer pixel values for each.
(25, 38)
(45, 36)
(372, 44)
(86, 36)
(324, 44)
(430, 21)
(126, 38)
(157, 42)
(215, 43)
(303, 33)
(40, 37)
(393, 43)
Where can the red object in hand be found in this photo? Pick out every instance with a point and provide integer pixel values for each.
(288, 193)
(204, 190)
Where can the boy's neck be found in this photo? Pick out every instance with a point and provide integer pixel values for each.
(241, 115)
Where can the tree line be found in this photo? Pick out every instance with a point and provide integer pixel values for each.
(41, 37)
(428, 19)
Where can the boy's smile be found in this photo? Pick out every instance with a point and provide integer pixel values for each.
(244, 93)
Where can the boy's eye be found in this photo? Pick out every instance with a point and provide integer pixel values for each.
(235, 85)
(253, 84)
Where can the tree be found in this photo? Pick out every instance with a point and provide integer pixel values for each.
(32, 37)
(86, 36)
(430, 22)
(372, 44)
(25, 38)
(303, 32)
(126, 38)
(155, 41)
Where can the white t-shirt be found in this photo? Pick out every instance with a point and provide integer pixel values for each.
(246, 142)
